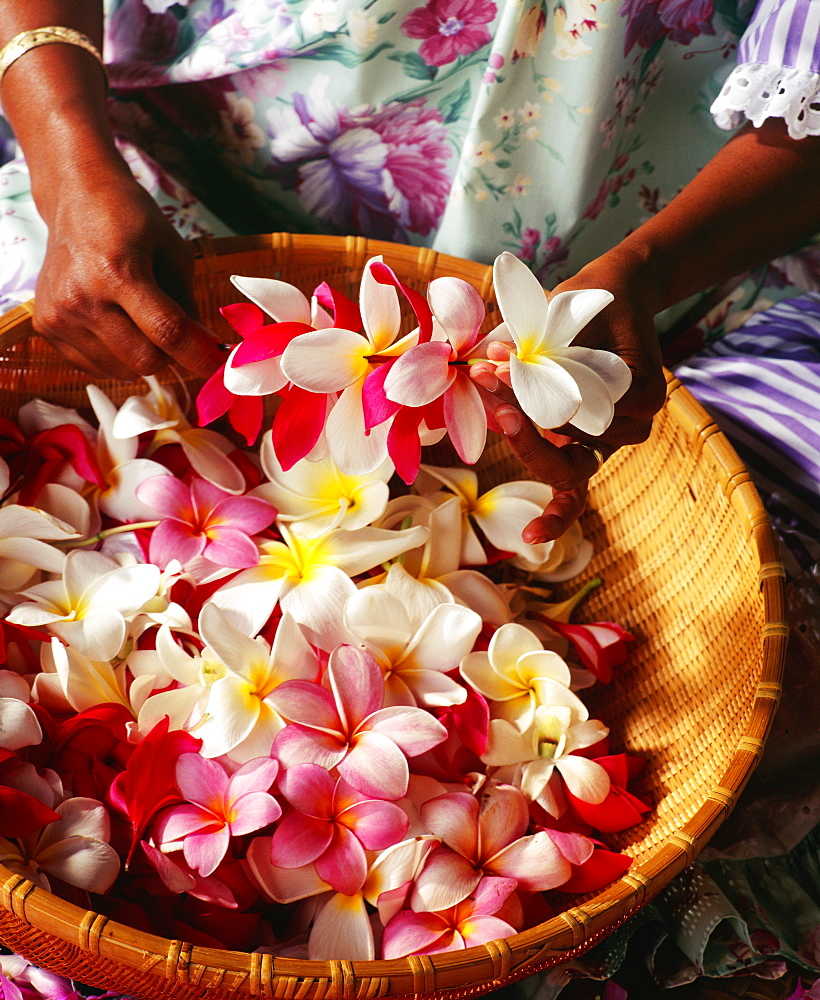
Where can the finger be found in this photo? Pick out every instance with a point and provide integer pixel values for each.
(563, 468)
(83, 350)
(560, 513)
(167, 326)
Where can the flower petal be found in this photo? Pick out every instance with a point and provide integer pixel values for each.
(326, 360)
(546, 392)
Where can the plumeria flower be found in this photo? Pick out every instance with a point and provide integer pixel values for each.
(218, 807)
(343, 924)
(200, 519)
(158, 413)
(414, 655)
(431, 574)
(241, 719)
(89, 606)
(517, 675)
(74, 849)
(345, 726)
(545, 752)
(438, 368)
(310, 578)
(122, 470)
(31, 982)
(471, 922)
(69, 680)
(24, 550)
(488, 838)
(500, 514)
(331, 825)
(554, 382)
(339, 360)
(18, 723)
(314, 497)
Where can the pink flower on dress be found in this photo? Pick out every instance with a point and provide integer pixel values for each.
(380, 171)
(450, 28)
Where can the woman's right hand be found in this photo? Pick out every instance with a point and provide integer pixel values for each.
(114, 294)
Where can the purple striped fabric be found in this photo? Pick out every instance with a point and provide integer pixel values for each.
(783, 33)
(761, 383)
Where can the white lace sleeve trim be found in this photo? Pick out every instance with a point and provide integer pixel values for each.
(757, 91)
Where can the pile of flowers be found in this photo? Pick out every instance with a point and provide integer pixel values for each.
(277, 698)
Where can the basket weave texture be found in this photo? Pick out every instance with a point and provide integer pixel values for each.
(690, 567)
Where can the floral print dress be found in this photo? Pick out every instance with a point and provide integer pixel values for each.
(551, 128)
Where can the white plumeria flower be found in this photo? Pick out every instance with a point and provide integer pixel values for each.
(316, 497)
(554, 382)
(517, 675)
(430, 575)
(89, 605)
(69, 678)
(74, 849)
(501, 513)
(310, 578)
(534, 756)
(122, 470)
(415, 655)
(24, 550)
(240, 720)
(18, 723)
(184, 705)
(157, 412)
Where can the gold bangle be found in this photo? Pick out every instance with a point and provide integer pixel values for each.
(27, 40)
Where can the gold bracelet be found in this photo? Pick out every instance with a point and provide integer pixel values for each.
(27, 40)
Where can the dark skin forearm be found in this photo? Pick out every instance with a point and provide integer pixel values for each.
(113, 295)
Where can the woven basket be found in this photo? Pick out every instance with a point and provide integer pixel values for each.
(690, 568)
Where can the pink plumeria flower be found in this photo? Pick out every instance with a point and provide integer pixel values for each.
(23, 981)
(200, 519)
(344, 726)
(332, 825)
(218, 807)
(554, 382)
(471, 922)
(439, 368)
(490, 838)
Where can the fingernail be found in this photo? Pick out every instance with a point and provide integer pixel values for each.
(485, 378)
(508, 420)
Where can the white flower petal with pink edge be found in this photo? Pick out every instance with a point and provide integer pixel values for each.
(534, 861)
(256, 378)
(458, 309)
(75, 849)
(465, 419)
(279, 299)
(446, 879)
(282, 885)
(380, 309)
(420, 375)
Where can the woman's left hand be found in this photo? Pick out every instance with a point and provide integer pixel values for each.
(565, 458)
